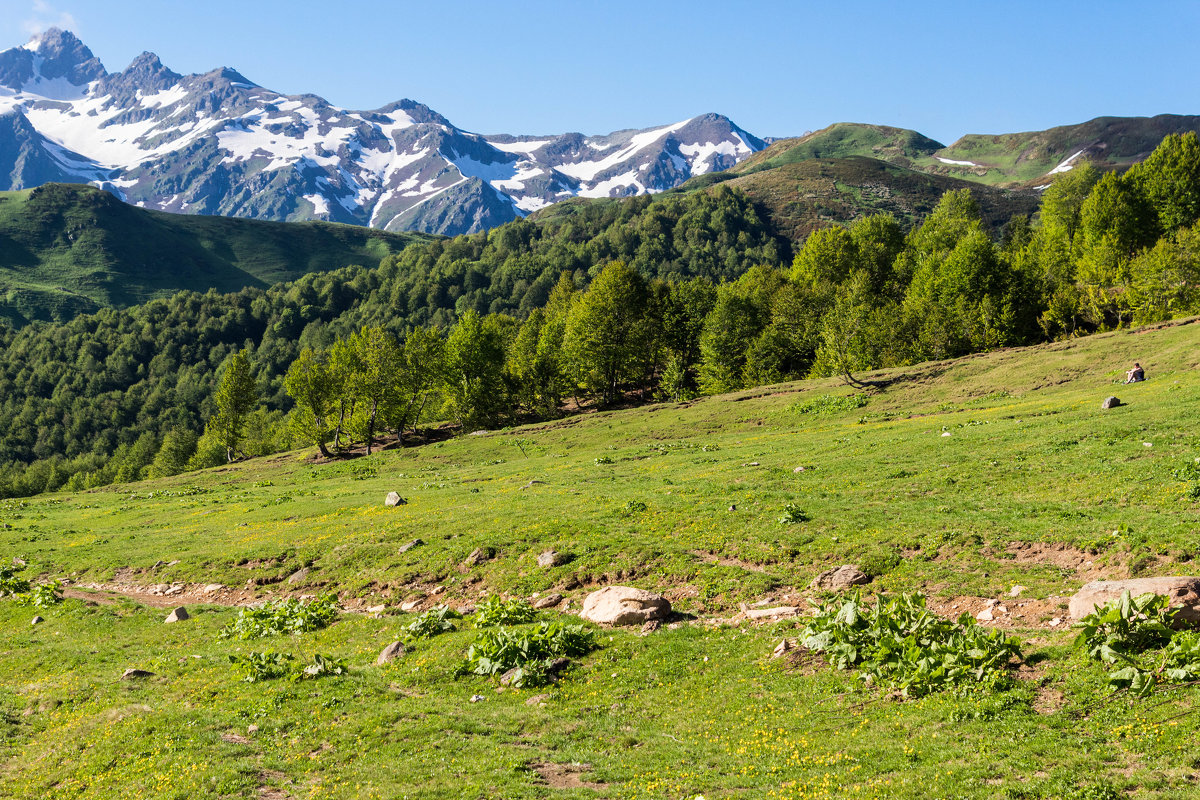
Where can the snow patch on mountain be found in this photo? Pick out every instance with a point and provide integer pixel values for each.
(1066, 165)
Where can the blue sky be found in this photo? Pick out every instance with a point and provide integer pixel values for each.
(775, 68)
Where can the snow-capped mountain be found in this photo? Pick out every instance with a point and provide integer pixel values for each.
(219, 144)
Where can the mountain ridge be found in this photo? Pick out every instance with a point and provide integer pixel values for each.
(218, 143)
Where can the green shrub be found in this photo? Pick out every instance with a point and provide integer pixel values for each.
(899, 644)
(10, 583)
(829, 404)
(268, 666)
(432, 622)
(1135, 635)
(284, 616)
(793, 515)
(530, 652)
(496, 611)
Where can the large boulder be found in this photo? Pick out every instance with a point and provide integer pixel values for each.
(840, 578)
(624, 605)
(1110, 402)
(394, 499)
(1183, 591)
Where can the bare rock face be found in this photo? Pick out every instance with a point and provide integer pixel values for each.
(1183, 591)
(178, 615)
(840, 578)
(393, 499)
(624, 605)
(1110, 402)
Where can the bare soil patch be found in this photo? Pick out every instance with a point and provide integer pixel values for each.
(565, 776)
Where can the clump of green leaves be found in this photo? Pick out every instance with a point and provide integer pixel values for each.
(432, 622)
(829, 404)
(12, 584)
(1136, 636)
(44, 595)
(268, 666)
(497, 611)
(899, 644)
(530, 651)
(284, 616)
(793, 515)
(603, 460)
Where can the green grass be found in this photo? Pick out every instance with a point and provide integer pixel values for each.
(700, 708)
(69, 249)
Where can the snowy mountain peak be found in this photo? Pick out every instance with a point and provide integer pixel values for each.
(217, 143)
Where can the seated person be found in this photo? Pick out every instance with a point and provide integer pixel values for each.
(1136, 374)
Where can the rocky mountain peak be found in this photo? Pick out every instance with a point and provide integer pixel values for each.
(64, 56)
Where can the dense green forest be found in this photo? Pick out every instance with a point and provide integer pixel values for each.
(596, 303)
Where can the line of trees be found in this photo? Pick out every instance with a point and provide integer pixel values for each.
(597, 304)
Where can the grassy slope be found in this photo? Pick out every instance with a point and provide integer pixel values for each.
(1028, 157)
(803, 195)
(699, 708)
(66, 249)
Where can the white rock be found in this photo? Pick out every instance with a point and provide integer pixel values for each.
(624, 605)
(178, 615)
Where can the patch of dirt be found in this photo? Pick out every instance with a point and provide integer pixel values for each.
(713, 558)
(272, 792)
(156, 596)
(1064, 556)
(565, 776)
(1007, 612)
(234, 738)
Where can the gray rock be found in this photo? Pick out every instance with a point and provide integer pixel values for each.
(479, 556)
(624, 605)
(553, 558)
(36, 620)
(298, 575)
(537, 700)
(390, 653)
(133, 674)
(771, 613)
(1183, 591)
(840, 578)
(393, 499)
(404, 548)
(178, 615)
(1110, 402)
(548, 601)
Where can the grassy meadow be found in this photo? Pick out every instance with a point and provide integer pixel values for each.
(959, 480)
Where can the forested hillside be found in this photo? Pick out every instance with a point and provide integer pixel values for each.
(67, 249)
(592, 303)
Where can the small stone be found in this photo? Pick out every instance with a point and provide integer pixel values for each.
(212, 588)
(252, 729)
(549, 601)
(37, 620)
(1016, 590)
(751, 464)
(532, 484)
(1054, 623)
(772, 613)
(733, 508)
(650, 627)
(537, 700)
(376, 609)
(839, 578)
(437, 589)
(132, 674)
(552, 558)
(986, 615)
(178, 615)
(1110, 402)
(475, 698)
(946, 433)
(393, 499)
(784, 646)
(409, 605)
(404, 548)
(298, 575)
(174, 589)
(798, 469)
(390, 653)
(479, 556)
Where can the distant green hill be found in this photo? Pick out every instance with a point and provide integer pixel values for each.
(842, 140)
(67, 249)
(799, 193)
(1112, 142)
